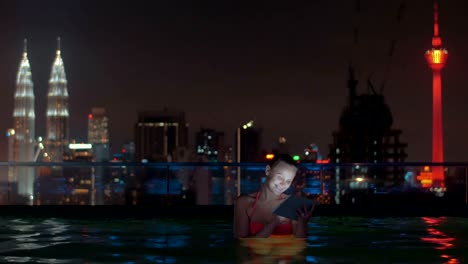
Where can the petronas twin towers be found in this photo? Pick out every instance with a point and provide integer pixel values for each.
(23, 146)
(57, 111)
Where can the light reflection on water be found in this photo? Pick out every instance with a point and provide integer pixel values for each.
(441, 241)
(330, 240)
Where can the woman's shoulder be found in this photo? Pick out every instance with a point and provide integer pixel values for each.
(246, 198)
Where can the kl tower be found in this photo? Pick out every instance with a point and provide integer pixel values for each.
(436, 58)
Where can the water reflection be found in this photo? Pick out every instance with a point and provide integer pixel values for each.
(30, 236)
(166, 241)
(440, 240)
(330, 240)
(280, 250)
(32, 260)
(160, 259)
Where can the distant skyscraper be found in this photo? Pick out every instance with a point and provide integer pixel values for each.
(98, 133)
(283, 147)
(128, 150)
(98, 136)
(210, 143)
(57, 111)
(366, 135)
(21, 137)
(159, 133)
(250, 143)
(81, 182)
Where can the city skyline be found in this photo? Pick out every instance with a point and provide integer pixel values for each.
(283, 66)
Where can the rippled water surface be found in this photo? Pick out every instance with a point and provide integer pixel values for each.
(331, 240)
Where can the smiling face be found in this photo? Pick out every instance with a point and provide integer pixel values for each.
(280, 177)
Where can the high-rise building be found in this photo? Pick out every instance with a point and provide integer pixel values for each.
(366, 135)
(210, 144)
(81, 182)
(21, 137)
(98, 133)
(98, 136)
(248, 142)
(57, 112)
(283, 146)
(159, 133)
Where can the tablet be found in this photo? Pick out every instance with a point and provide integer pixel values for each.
(289, 207)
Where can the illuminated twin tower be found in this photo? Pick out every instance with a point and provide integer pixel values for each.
(23, 147)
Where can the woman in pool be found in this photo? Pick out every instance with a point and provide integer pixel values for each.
(253, 213)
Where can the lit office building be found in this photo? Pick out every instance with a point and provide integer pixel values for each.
(98, 133)
(159, 133)
(98, 136)
(209, 143)
(57, 112)
(51, 184)
(80, 181)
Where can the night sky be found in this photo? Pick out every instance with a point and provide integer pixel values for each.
(226, 62)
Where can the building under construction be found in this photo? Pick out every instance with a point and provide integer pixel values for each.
(365, 135)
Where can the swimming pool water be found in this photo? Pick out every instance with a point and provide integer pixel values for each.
(331, 240)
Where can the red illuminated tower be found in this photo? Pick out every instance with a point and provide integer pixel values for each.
(436, 58)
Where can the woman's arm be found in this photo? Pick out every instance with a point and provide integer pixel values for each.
(300, 226)
(241, 219)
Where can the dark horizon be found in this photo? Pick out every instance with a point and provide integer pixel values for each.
(283, 65)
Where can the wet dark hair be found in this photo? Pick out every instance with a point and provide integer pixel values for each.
(284, 158)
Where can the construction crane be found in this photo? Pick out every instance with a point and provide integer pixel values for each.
(392, 46)
(393, 42)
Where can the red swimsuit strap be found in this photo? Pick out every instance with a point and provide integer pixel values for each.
(254, 205)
